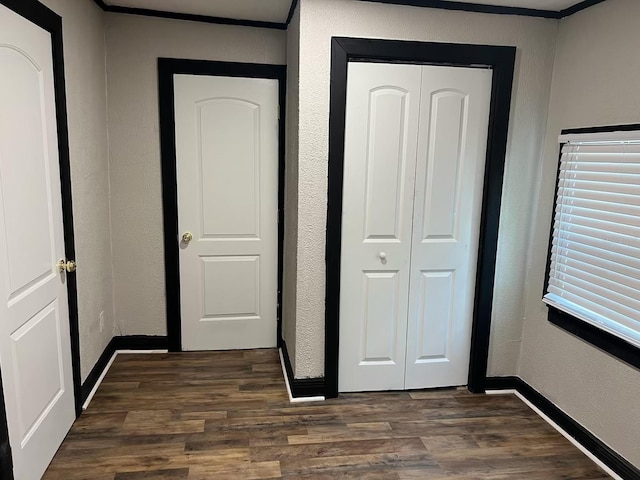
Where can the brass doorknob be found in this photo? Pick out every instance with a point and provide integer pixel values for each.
(187, 237)
(64, 265)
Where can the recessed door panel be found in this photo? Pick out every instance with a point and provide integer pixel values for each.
(40, 378)
(35, 343)
(231, 287)
(435, 305)
(227, 175)
(447, 136)
(380, 317)
(229, 150)
(386, 160)
(24, 146)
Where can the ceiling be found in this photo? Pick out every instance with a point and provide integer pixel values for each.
(255, 10)
(277, 10)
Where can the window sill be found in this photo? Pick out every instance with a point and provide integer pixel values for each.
(605, 341)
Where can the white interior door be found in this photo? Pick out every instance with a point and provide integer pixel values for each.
(452, 145)
(227, 178)
(35, 350)
(415, 145)
(383, 103)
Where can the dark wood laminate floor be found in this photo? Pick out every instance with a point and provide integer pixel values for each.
(226, 415)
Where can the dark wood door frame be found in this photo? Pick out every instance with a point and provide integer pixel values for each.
(167, 68)
(48, 20)
(501, 59)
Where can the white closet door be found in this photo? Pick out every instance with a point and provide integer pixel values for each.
(380, 154)
(227, 169)
(35, 346)
(454, 116)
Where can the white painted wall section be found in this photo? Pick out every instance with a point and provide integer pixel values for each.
(595, 83)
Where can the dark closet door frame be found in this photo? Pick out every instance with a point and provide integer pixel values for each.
(48, 20)
(501, 60)
(167, 68)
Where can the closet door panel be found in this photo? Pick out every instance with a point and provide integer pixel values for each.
(379, 179)
(452, 138)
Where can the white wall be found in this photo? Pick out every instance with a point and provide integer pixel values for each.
(535, 39)
(595, 82)
(291, 189)
(84, 51)
(134, 44)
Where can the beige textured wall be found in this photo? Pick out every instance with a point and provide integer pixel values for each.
(535, 39)
(291, 189)
(84, 51)
(595, 82)
(134, 44)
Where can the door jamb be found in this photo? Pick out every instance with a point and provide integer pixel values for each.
(48, 20)
(167, 68)
(501, 59)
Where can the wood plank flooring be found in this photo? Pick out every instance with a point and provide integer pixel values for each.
(226, 415)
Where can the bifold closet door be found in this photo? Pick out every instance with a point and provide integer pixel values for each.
(454, 117)
(383, 103)
(415, 148)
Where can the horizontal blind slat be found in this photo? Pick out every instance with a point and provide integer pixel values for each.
(595, 299)
(607, 228)
(613, 178)
(607, 217)
(598, 195)
(597, 266)
(619, 244)
(601, 167)
(625, 264)
(622, 294)
(569, 184)
(609, 207)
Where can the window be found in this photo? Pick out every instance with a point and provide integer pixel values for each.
(593, 285)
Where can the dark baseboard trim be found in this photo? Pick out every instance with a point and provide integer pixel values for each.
(145, 12)
(128, 342)
(97, 370)
(301, 387)
(494, 9)
(141, 342)
(596, 446)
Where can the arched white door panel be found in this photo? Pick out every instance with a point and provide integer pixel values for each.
(35, 347)
(227, 178)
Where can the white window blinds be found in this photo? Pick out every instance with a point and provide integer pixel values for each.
(595, 256)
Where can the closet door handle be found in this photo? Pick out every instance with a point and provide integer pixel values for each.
(382, 255)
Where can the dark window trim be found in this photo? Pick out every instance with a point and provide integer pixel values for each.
(167, 68)
(599, 338)
(501, 59)
(484, 8)
(146, 12)
(48, 20)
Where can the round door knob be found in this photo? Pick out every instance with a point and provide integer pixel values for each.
(66, 266)
(187, 237)
(382, 255)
